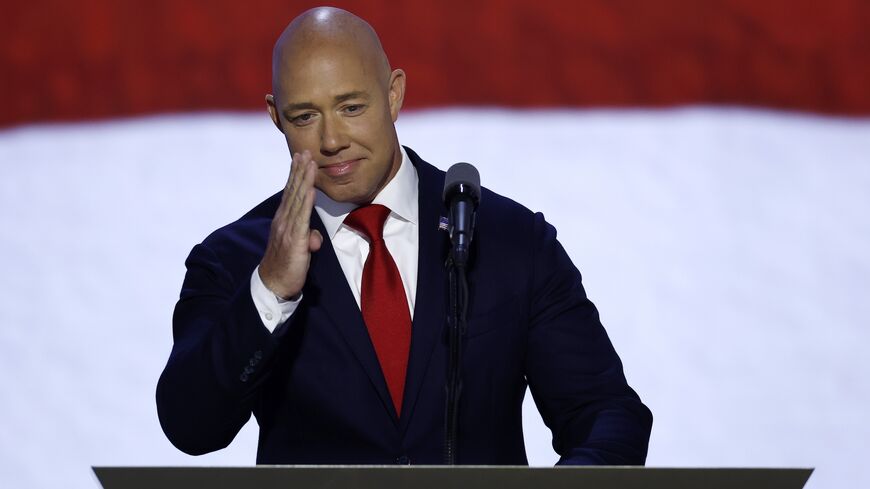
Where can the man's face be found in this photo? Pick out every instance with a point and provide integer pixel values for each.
(336, 104)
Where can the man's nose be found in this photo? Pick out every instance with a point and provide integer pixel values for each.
(333, 137)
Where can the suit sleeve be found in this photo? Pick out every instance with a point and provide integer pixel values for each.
(574, 374)
(220, 356)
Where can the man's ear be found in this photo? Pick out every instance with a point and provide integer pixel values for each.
(273, 112)
(397, 92)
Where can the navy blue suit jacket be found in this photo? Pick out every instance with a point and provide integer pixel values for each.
(315, 385)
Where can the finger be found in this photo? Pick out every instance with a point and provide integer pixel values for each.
(302, 219)
(299, 188)
(310, 173)
(286, 199)
(308, 202)
(295, 175)
(315, 240)
(296, 193)
(294, 162)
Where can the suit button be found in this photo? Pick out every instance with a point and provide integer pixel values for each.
(403, 460)
(243, 377)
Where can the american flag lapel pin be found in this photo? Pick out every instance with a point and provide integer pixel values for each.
(442, 223)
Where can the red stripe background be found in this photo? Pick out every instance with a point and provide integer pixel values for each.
(74, 59)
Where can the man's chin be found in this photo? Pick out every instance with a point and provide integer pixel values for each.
(347, 193)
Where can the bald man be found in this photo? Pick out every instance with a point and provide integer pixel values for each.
(286, 313)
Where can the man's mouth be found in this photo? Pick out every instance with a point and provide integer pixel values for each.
(340, 168)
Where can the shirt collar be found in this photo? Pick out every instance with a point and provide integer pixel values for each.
(399, 195)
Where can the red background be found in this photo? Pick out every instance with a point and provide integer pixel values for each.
(73, 59)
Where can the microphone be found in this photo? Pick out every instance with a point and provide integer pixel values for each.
(461, 195)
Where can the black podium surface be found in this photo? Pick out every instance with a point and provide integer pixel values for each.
(425, 477)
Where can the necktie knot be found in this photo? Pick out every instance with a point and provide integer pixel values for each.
(369, 220)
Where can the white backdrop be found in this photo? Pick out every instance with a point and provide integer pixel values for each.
(728, 252)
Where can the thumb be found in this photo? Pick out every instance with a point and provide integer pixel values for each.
(315, 239)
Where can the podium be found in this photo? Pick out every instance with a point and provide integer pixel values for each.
(441, 477)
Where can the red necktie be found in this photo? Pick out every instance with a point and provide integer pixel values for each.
(383, 301)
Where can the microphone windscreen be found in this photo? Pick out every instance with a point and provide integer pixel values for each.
(462, 177)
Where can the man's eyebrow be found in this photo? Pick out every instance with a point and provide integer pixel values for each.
(300, 106)
(350, 95)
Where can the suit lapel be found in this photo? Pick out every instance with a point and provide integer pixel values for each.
(431, 306)
(327, 285)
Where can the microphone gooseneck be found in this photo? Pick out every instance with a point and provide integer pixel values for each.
(461, 197)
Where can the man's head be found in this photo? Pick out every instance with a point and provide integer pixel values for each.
(335, 96)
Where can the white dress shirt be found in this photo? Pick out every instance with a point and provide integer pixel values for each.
(351, 248)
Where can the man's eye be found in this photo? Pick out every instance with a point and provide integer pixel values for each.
(302, 119)
(354, 109)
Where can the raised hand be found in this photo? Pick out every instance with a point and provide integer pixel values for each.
(291, 241)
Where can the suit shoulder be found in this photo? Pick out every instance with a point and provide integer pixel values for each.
(249, 231)
(502, 207)
(505, 218)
